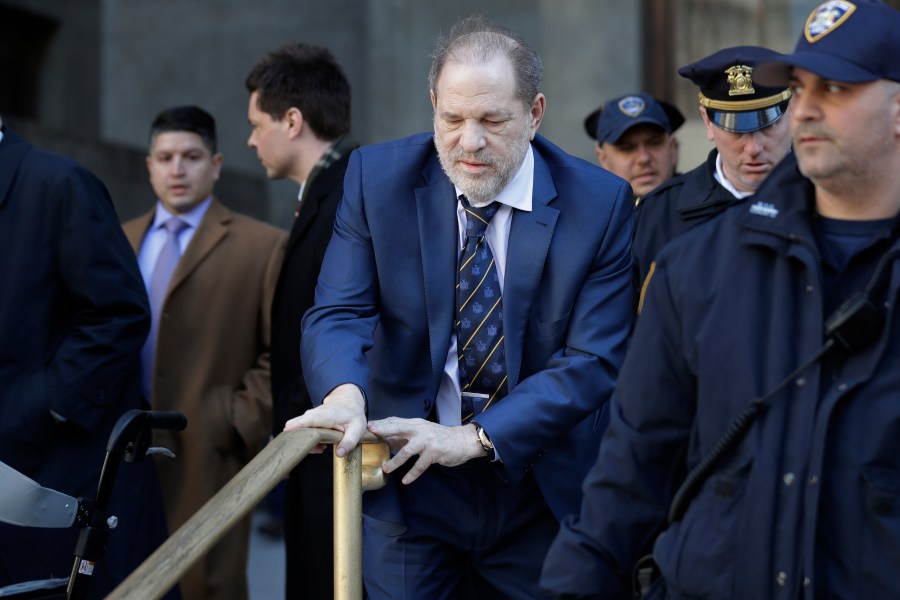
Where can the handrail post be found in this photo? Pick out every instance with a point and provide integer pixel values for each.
(348, 525)
(360, 469)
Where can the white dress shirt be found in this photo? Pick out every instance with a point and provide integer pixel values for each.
(725, 183)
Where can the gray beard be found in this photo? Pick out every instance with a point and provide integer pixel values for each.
(483, 189)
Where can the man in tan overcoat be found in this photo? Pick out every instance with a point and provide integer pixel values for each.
(210, 274)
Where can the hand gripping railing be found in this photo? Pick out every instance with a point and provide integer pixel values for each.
(358, 470)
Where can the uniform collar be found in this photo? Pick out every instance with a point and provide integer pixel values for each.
(783, 204)
(725, 182)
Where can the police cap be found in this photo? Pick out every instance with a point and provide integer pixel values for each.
(609, 123)
(732, 101)
(852, 42)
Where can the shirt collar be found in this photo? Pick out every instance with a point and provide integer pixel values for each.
(725, 183)
(192, 217)
(518, 192)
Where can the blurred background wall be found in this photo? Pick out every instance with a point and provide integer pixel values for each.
(86, 77)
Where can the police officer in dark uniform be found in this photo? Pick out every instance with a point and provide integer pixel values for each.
(749, 125)
(635, 137)
(753, 447)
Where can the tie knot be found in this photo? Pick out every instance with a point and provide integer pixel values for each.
(174, 225)
(477, 218)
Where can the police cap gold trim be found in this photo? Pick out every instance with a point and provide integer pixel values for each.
(744, 104)
(733, 100)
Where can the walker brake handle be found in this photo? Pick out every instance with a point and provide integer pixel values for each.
(132, 433)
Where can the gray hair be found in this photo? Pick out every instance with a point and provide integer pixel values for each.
(475, 40)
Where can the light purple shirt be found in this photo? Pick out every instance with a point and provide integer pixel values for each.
(156, 236)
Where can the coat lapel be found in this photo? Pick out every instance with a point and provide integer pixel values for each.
(319, 190)
(438, 240)
(308, 211)
(136, 230)
(213, 228)
(529, 242)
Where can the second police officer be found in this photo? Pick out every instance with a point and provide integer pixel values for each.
(750, 127)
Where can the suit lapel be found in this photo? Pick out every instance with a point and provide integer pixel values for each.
(212, 229)
(438, 240)
(529, 242)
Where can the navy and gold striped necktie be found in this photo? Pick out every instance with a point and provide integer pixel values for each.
(479, 324)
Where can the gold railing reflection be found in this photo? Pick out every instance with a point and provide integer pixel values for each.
(359, 470)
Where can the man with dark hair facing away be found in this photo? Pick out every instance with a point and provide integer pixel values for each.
(299, 112)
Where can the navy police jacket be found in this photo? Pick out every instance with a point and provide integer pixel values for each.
(808, 504)
(675, 206)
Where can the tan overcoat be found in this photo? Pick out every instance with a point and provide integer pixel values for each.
(212, 364)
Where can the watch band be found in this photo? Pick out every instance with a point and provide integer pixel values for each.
(485, 441)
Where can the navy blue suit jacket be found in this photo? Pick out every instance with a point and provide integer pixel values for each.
(73, 318)
(385, 306)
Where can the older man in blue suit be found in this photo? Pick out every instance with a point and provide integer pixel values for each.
(474, 303)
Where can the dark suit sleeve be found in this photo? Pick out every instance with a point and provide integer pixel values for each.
(106, 317)
(641, 461)
(339, 328)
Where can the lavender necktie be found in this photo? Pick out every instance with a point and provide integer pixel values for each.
(166, 261)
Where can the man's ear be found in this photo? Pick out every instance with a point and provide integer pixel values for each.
(601, 155)
(538, 105)
(673, 152)
(708, 123)
(218, 160)
(293, 118)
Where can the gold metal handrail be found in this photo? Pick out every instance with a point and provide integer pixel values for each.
(358, 470)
